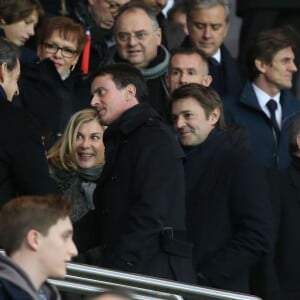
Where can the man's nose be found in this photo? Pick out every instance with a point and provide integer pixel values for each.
(95, 101)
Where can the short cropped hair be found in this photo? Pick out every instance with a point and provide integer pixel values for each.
(266, 44)
(189, 51)
(68, 30)
(12, 11)
(22, 214)
(122, 75)
(203, 4)
(9, 54)
(207, 98)
(62, 153)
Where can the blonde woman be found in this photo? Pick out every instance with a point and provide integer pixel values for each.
(76, 160)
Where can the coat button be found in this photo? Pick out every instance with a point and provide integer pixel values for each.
(113, 178)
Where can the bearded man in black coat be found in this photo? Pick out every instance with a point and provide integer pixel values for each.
(23, 165)
(139, 218)
(228, 212)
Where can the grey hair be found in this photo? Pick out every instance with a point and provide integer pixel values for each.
(192, 4)
(9, 53)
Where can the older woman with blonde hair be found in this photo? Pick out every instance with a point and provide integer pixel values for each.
(76, 160)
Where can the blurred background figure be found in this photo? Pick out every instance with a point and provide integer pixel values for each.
(172, 33)
(58, 7)
(76, 160)
(55, 88)
(98, 16)
(18, 19)
(177, 15)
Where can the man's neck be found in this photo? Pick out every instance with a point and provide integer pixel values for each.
(30, 265)
(265, 86)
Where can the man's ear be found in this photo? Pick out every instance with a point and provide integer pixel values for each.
(2, 21)
(3, 72)
(214, 116)
(33, 239)
(158, 36)
(207, 80)
(260, 65)
(130, 91)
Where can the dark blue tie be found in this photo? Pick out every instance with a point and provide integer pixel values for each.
(272, 106)
(216, 73)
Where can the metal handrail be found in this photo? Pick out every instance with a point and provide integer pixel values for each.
(155, 284)
(88, 279)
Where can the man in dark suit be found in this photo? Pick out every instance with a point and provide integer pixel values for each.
(228, 212)
(23, 165)
(260, 15)
(266, 107)
(208, 24)
(140, 209)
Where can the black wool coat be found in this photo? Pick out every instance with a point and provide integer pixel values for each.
(140, 208)
(50, 99)
(285, 191)
(228, 212)
(23, 165)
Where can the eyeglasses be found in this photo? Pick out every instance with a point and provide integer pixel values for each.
(113, 6)
(65, 51)
(140, 35)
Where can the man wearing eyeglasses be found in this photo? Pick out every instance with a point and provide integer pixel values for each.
(99, 17)
(138, 42)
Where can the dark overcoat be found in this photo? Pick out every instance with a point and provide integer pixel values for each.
(228, 212)
(270, 151)
(285, 191)
(139, 199)
(23, 165)
(50, 99)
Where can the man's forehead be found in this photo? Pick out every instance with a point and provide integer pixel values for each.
(136, 15)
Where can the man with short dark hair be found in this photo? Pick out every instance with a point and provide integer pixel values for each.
(36, 234)
(23, 165)
(140, 210)
(228, 213)
(187, 65)
(266, 107)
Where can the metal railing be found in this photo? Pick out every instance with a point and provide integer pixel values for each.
(140, 283)
(84, 279)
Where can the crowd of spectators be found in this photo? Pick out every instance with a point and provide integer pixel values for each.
(178, 161)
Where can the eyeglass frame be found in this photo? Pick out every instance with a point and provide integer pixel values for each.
(129, 35)
(56, 48)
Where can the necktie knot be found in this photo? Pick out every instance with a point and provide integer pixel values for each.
(213, 62)
(272, 105)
